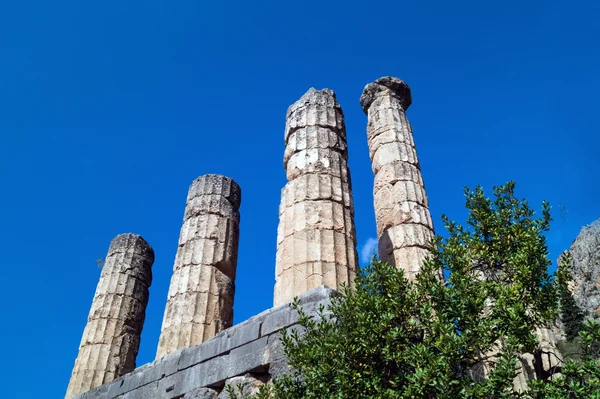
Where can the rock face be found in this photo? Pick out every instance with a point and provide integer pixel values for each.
(111, 337)
(404, 225)
(200, 299)
(316, 240)
(585, 252)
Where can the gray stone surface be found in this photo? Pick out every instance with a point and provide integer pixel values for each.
(243, 386)
(201, 393)
(251, 350)
(316, 238)
(585, 252)
(111, 337)
(404, 225)
(550, 358)
(200, 298)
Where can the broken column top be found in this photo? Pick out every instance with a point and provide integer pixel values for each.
(387, 85)
(212, 184)
(313, 96)
(315, 108)
(124, 242)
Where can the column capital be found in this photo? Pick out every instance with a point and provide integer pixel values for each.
(387, 85)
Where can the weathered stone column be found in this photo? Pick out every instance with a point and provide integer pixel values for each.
(542, 364)
(200, 299)
(404, 225)
(316, 240)
(111, 338)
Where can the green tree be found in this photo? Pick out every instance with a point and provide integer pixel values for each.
(572, 317)
(388, 337)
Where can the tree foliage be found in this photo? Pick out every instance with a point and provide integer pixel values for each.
(572, 317)
(388, 337)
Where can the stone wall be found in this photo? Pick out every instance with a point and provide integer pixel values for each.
(248, 355)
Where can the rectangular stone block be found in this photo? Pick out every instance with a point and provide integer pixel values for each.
(248, 357)
(149, 391)
(284, 315)
(223, 342)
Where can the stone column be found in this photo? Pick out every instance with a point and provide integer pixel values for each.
(316, 240)
(200, 299)
(404, 225)
(541, 365)
(111, 338)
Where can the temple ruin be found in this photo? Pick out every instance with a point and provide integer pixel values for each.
(199, 352)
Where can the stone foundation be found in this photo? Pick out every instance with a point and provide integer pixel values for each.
(248, 355)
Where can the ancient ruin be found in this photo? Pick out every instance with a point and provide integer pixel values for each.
(111, 337)
(247, 354)
(404, 226)
(200, 299)
(199, 351)
(316, 238)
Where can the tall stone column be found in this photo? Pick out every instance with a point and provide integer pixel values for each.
(404, 225)
(316, 240)
(111, 338)
(200, 299)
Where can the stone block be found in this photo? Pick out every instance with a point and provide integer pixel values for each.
(249, 357)
(390, 174)
(149, 391)
(315, 108)
(206, 204)
(308, 137)
(394, 152)
(201, 393)
(313, 187)
(318, 161)
(216, 185)
(221, 343)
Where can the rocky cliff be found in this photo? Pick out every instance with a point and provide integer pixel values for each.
(585, 251)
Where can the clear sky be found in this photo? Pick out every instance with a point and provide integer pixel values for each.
(109, 110)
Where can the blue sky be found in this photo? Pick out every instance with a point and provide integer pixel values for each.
(109, 110)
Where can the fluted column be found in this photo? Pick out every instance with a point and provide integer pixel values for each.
(316, 241)
(404, 225)
(111, 337)
(200, 299)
